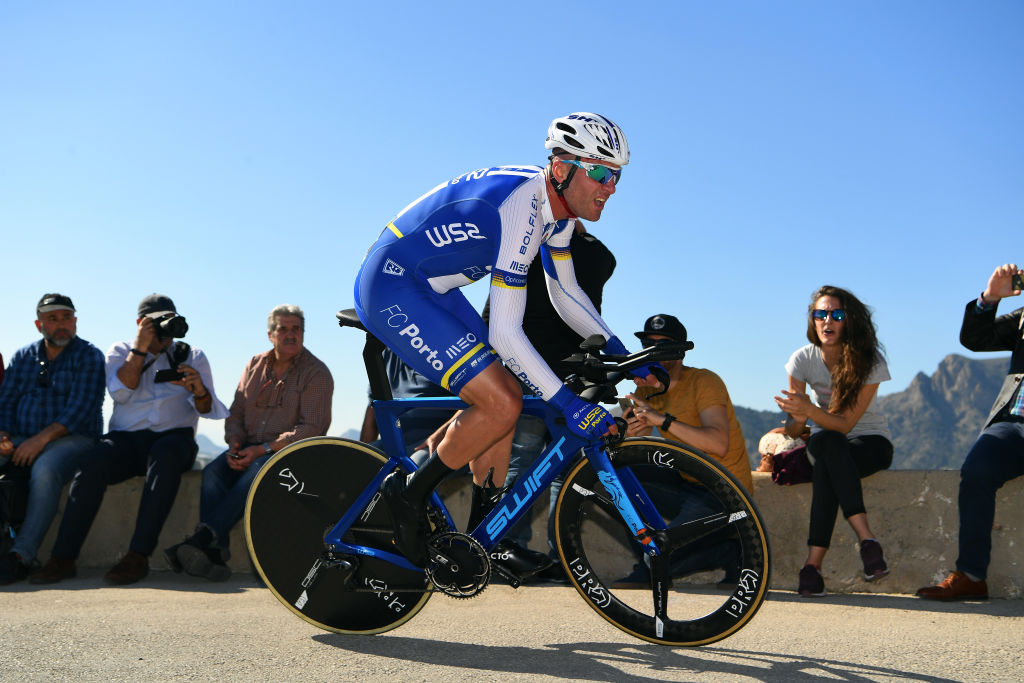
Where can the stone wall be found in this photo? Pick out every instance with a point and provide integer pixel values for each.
(913, 513)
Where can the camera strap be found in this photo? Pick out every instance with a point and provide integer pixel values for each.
(180, 354)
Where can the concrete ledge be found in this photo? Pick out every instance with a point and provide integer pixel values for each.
(913, 513)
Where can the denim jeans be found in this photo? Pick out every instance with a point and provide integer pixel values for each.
(529, 441)
(161, 457)
(994, 459)
(53, 468)
(681, 501)
(223, 495)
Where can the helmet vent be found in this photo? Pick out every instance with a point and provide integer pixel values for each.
(604, 151)
(572, 141)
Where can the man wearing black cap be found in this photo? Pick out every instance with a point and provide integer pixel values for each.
(50, 415)
(160, 388)
(696, 410)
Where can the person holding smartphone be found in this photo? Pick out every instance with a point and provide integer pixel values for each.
(997, 455)
(696, 410)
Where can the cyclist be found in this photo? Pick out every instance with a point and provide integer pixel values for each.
(489, 223)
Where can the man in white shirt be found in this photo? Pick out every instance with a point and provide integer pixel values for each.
(160, 388)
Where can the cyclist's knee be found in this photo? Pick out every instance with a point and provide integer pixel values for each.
(498, 395)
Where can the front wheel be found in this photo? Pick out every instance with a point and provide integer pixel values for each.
(606, 564)
(296, 499)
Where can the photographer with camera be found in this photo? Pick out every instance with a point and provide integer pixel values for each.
(160, 387)
(997, 456)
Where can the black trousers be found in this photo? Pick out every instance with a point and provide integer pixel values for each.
(839, 465)
(161, 457)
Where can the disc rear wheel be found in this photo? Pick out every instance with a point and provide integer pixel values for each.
(296, 499)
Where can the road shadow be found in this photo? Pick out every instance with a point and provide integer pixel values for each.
(92, 579)
(607, 661)
(993, 607)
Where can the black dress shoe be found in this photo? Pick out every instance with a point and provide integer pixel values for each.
(410, 521)
(518, 560)
(553, 574)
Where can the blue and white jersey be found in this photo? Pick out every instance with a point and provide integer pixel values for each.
(487, 223)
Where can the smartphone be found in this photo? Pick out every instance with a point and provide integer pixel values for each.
(168, 375)
(627, 408)
(1017, 282)
(236, 456)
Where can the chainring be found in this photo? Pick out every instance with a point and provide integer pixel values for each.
(459, 565)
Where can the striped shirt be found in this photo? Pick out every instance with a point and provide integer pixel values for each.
(267, 407)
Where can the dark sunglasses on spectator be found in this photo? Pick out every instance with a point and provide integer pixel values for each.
(648, 342)
(838, 314)
(602, 174)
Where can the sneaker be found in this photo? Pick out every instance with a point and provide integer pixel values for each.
(132, 568)
(55, 569)
(956, 586)
(519, 560)
(13, 568)
(873, 559)
(202, 538)
(207, 563)
(812, 585)
(411, 525)
(171, 555)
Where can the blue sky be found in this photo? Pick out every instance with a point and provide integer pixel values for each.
(239, 155)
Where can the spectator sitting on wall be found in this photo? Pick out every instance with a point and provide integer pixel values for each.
(997, 455)
(695, 410)
(50, 415)
(284, 395)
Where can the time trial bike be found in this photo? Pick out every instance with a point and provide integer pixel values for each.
(322, 541)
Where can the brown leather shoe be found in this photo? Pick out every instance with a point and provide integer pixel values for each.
(133, 567)
(56, 569)
(956, 586)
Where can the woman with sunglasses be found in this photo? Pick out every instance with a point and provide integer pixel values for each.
(850, 439)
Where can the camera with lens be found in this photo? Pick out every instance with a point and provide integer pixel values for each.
(170, 326)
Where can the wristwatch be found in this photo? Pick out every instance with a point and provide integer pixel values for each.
(669, 419)
(267, 449)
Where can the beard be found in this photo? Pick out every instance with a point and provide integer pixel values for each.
(60, 339)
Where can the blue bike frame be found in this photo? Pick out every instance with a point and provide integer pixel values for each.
(625, 491)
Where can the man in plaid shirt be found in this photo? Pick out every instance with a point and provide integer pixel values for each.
(50, 416)
(284, 396)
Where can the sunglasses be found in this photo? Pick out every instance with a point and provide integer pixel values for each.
(838, 314)
(602, 174)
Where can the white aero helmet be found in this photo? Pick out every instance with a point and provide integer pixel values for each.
(589, 135)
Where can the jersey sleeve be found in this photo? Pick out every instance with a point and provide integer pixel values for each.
(521, 232)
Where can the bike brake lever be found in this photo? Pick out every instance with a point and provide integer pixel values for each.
(660, 374)
(613, 440)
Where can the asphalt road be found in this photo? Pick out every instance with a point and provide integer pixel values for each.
(174, 628)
